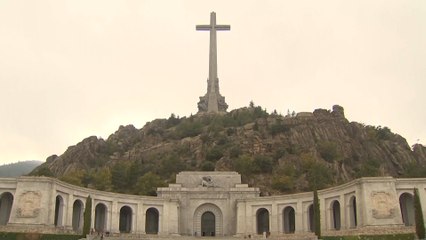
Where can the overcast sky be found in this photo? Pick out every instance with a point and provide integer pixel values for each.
(73, 69)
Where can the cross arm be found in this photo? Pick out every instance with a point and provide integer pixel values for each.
(223, 27)
(203, 27)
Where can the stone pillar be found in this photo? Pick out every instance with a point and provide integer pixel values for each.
(274, 228)
(241, 219)
(69, 212)
(324, 210)
(299, 215)
(115, 218)
(343, 217)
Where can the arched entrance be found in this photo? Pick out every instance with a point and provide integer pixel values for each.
(289, 219)
(311, 218)
(125, 225)
(406, 202)
(262, 221)
(335, 215)
(208, 224)
(77, 215)
(208, 221)
(59, 210)
(100, 217)
(152, 220)
(352, 212)
(6, 201)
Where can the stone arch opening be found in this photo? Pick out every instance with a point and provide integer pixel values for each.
(152, 221)
(208, 224)
(100, 217)
(208, 220)
(6, 202)
(311, 218)
(335, 215)
(289, 219)
(125, 225)
(352, 213)
(59, 211)
(77, 215)
(406, 203)
(262, 220)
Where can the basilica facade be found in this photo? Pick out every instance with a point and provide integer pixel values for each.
(210, 204)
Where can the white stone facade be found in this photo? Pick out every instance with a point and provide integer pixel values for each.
(210, 204)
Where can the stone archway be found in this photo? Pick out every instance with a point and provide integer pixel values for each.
(59, 211)
(6, 201)
(311, 218)
(352, 213)
(152, 221)
(289, 220)
(208, 219)
(77, 215)
(100, 217)
(335, 215)
(406, 202)
(262, 221)
(125, 221)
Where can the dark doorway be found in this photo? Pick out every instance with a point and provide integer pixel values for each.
(208, 224)
(151, 224)
(6, 201)
(311, 218)
(59, 204)
(289, 220)
(262, 219)
(100, 217)
(125, 225)
(406, 202)
(336, 215)
(77, 214)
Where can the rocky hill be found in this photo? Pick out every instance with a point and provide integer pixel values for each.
(279, 154)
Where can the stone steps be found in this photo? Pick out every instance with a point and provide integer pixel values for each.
(304, 236)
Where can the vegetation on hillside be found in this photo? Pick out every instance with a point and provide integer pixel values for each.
(18, 169)
(279, 154)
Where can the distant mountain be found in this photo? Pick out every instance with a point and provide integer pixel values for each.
(19, 168)
(279, 154)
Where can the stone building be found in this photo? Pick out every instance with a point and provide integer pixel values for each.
(210, 204)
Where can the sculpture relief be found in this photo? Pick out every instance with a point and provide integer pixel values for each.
(383, 205)
(207, 182)
(29, 204)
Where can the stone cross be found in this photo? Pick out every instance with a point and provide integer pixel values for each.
(212, 101)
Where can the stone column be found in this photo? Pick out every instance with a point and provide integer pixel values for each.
(69, 212)
(274, 229)
(115, 218)
(299, 214)
(241, 219)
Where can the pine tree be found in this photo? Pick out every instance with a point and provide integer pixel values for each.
(418, 215)
(87, 216)
(317, 215)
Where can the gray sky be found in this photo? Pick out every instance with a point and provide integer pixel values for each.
(72, 69)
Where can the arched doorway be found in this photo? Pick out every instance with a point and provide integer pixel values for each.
(262, 219)
(125, 225)
(208, 224)
(152, 219)
(59, 210)
(208, 220)
(311, 218)
(335, 215)
(6, 202)
(406, 202)
(352, 212)
(100, 217)
(77, 215)
(289, 219)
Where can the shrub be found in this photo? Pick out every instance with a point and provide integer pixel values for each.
(87, 216)
(207, 166)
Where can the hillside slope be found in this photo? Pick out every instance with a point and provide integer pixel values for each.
(279, 154)
(19, 168)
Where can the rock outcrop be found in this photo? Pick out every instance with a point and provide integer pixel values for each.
(277, 153)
